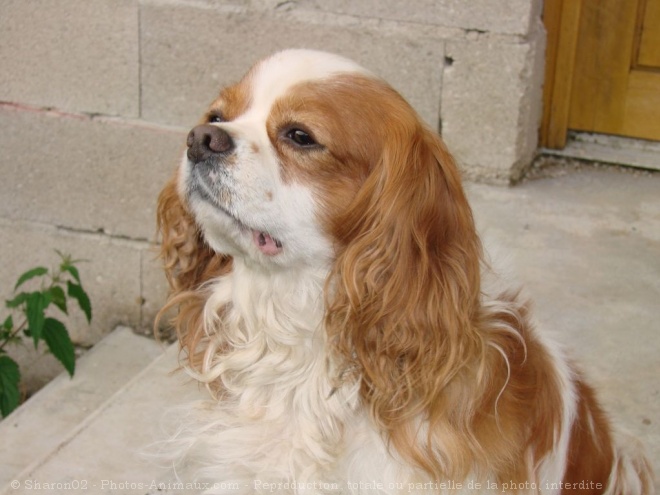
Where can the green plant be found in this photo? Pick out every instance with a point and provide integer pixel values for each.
(34, 322)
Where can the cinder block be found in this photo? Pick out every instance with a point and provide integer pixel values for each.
(78, 55)
(189, 52)
(110, 273)
(92, 175)
(503, 16)
(491, 104)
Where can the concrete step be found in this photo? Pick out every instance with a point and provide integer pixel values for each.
(88, 432)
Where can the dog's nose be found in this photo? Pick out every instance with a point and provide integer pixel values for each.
(205, 141)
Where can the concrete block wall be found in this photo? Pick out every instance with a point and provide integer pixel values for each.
(96, 97)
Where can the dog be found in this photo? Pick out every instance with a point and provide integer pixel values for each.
(330, 289)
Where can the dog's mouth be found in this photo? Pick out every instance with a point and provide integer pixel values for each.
(266, 243)
(263, 241)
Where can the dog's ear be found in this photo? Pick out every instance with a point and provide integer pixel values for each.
(187, 259)
(404, 292)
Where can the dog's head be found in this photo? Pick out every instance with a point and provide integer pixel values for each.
(280, 161)
(257, 169)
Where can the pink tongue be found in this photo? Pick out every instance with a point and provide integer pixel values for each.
(266, 243)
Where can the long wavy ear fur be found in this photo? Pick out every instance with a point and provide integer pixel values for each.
(188, 264)
(404, 292)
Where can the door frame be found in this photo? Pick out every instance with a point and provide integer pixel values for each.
(562, 23)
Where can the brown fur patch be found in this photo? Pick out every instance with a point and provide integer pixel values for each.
(591, 455)
(233, 101)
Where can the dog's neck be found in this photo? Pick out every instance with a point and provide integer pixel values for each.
(266, 329)
(285, 305)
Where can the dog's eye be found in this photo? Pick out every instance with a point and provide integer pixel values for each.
(301, 138)
(215, 118)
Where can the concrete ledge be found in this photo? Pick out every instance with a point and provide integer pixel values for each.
(106, 449)
(49, 420)
(605, 148)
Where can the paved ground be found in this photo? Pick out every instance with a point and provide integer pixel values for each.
(586, 242)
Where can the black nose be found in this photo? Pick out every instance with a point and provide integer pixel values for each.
(205, 141)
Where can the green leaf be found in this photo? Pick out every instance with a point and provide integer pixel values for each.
(66, 258)
(8, 323)
(58, 298)
(36, 304)
(73, 271)
(58, 341)
(6, 330)
(10, 376)
(17, 301)
(77, 292)
(35, 272)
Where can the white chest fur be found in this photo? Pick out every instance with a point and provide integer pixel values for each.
(278, 417)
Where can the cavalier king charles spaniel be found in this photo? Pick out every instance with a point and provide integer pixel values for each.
(330, 290)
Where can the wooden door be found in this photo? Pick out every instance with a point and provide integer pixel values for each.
(602, 69)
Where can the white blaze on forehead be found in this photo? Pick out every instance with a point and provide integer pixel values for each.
(271, 78)
(276, 74)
